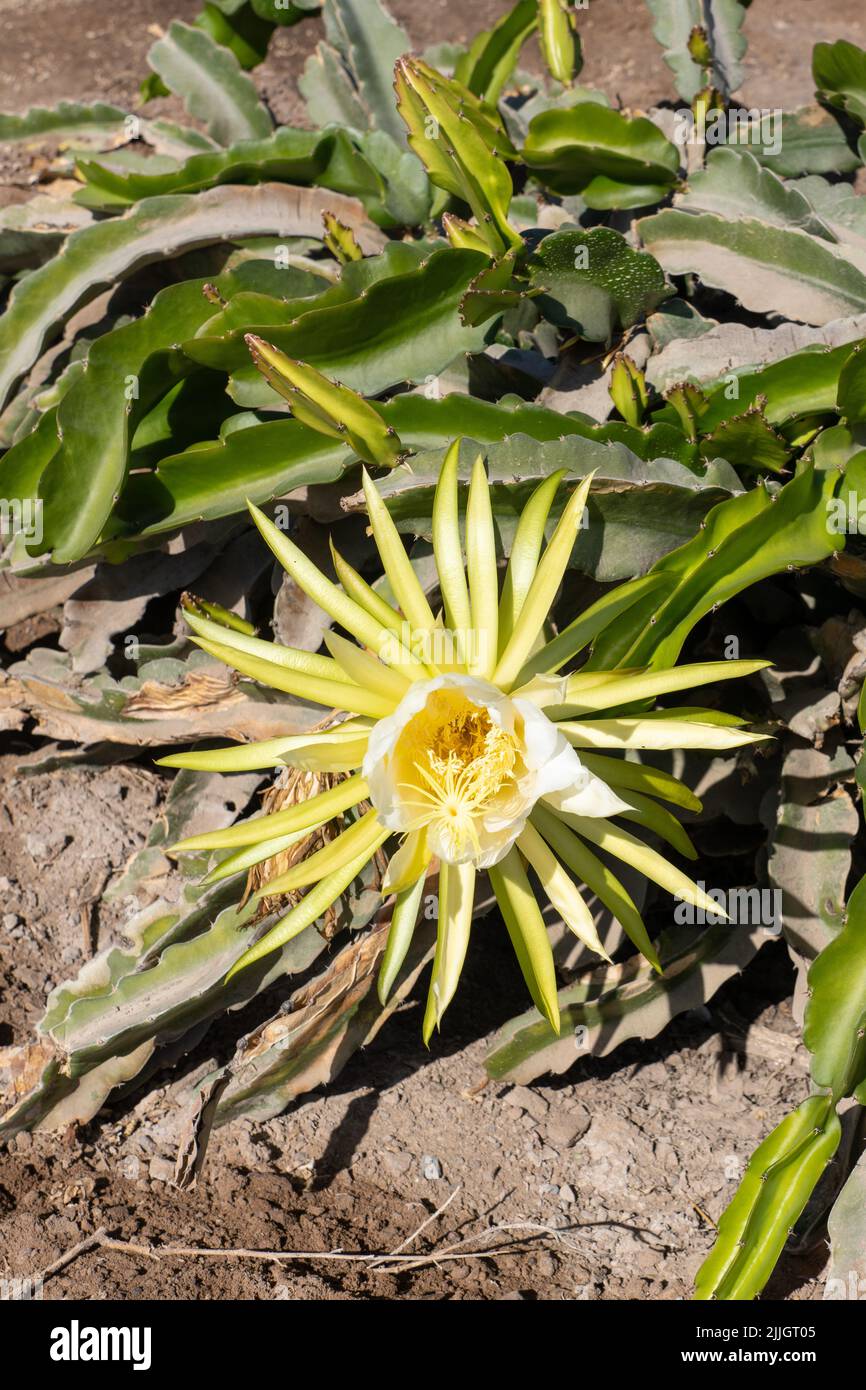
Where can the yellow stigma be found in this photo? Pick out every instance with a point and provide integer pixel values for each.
(453, 763)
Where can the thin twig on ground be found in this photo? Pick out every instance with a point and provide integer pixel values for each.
(387, 1261)
(424, 1224)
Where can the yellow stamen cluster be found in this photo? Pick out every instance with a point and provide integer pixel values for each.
(458, 763)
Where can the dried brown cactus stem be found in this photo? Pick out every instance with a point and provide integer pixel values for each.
(290, 787)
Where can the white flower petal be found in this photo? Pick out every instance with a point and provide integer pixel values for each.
(376, 767)
(497, 846)
(548, 753)
(591, 797)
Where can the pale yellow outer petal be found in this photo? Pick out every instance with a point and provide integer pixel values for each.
(560, 888)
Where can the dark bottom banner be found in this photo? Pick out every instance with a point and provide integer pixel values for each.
(65, 1339)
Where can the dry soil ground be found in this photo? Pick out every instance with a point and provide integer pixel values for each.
(623, 1160)
(620, 1160)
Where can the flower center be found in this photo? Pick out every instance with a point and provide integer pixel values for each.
(454, 762)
